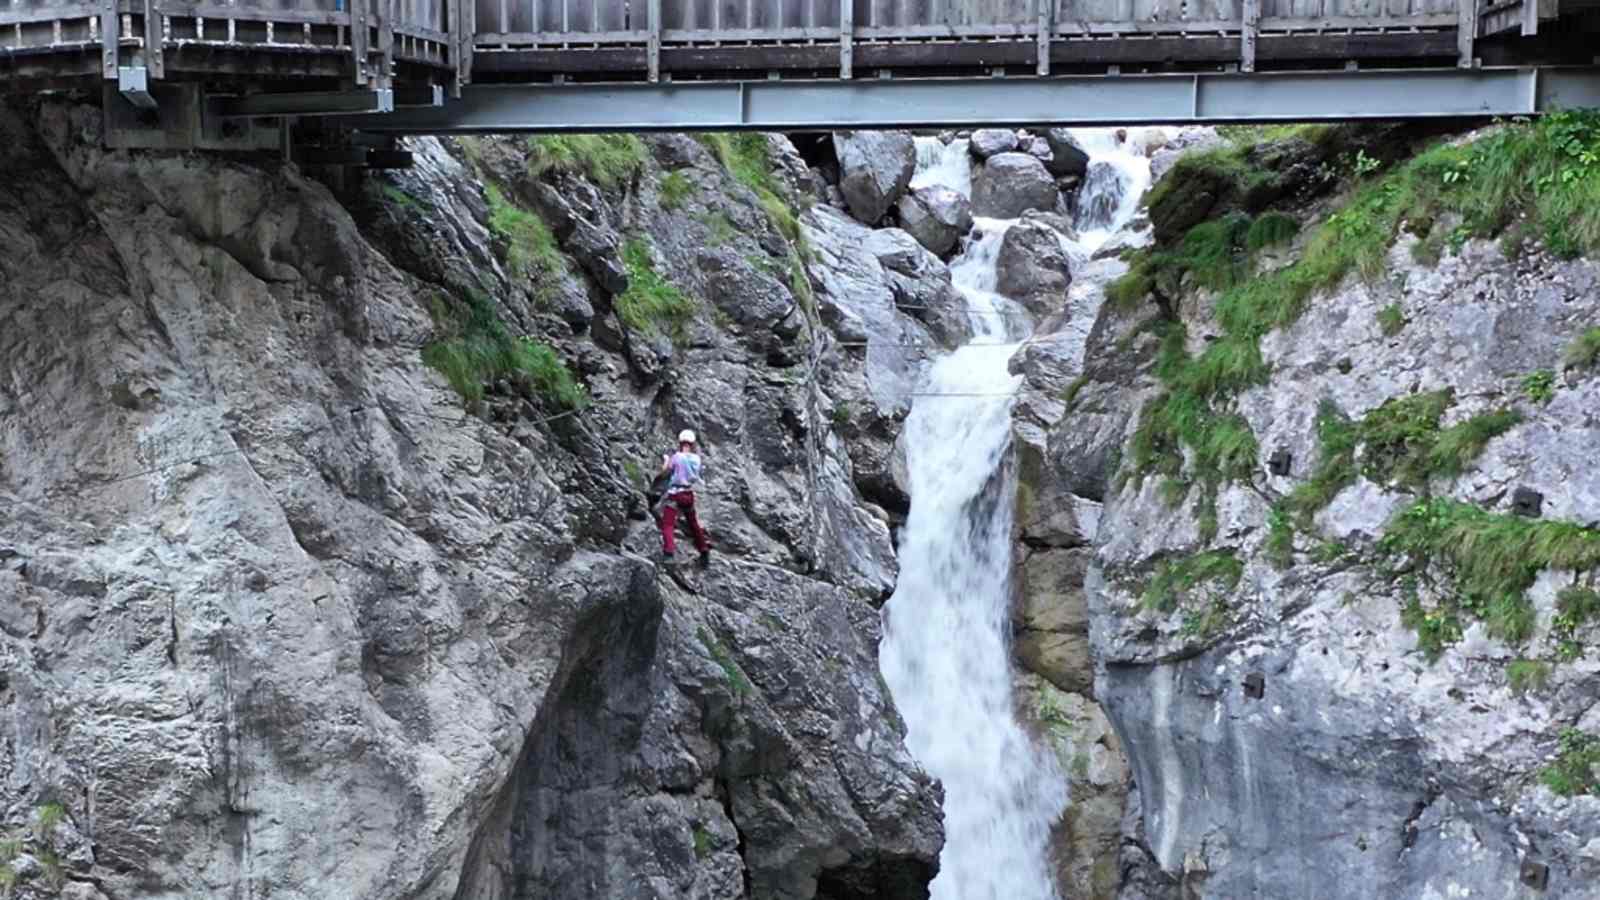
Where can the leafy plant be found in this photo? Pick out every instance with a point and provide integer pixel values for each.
(1576, 770)
(1539, 386)
(608, 160)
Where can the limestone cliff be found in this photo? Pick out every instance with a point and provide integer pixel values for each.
(325, 544)
(1314, 485)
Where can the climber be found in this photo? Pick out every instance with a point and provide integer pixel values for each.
(684, 468)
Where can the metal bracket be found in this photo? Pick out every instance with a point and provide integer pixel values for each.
(133, 83)
(154, 36)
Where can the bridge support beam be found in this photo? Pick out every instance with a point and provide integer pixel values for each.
(977, 102)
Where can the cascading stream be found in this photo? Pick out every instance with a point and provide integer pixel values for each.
(945, 653)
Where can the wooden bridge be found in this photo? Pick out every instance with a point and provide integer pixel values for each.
(484, 65)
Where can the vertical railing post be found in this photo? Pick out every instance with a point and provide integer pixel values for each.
(847, 28)
(653, 47)
(358, 37)
(1248, 30)
(110, 28)
(1530, 18)
(154, 35)
(387, 11)
(1046, 10)
(1466, 31)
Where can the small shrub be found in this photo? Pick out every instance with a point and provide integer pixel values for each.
(1391, 320)
(650, 302)
(1576, 606)
(1540, 386)
(1576, 770)
(1584, 351)
(675, 188)
(1526, 675)
(530, 245)
(608, 160)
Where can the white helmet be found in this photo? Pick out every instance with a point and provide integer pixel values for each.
(686, 436)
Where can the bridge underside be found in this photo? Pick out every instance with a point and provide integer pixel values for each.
(1064, 100)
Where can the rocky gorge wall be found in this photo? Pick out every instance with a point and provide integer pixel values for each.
(1314, 518)
(326, 561)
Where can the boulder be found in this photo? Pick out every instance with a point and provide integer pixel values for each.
(1033, 268)
(1067, 156)
(936, 216)
(987, 142)
(874, 170)
(1009, 184)
(1038, 148)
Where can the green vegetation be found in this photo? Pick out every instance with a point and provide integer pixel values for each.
(1584, 351)
(1280, 537)
(1576, 770)
(702, 842)
(1069, 395)
(675, 188)
(747, 158)
(841, 414)
(476, 349)
(1540, 386)
(1174, 579)
(1576, 606)
(50, 815)
(399, 197)
(736, 678)
(1391, 320)
(1212, 619)
(721, 227)
(608, 160)
(1526, 675)
(530, 246)
(1250, 135)
(635, 474)
(1490, 561)
(650, 302)
(1269, 230)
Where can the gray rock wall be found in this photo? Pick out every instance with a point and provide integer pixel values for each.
(277, 614)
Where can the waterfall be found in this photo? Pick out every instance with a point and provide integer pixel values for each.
(945, 653)
(941, 163)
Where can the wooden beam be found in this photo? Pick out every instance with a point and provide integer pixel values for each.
(653, 48)
(1046, 10)
(109, 33)
(1466, 32)
(153, 39)
(847, 29)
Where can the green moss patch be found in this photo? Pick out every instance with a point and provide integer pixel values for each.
(1576, 770)
(530, 247)
(1584, 351)
(675, 189)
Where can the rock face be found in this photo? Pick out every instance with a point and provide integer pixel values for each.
(1009, 184)
(987, 142)
(277, 612)
(1067, 156)
(874, 170)
(936, 216)
(1289, 695)
(1033, 267)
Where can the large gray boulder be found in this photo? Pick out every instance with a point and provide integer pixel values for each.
(1033, 267)
(1010, 184)
(987, 142)
(874, 170)
(936, 216)
(1067, 156)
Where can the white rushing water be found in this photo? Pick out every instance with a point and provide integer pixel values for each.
(945, 652)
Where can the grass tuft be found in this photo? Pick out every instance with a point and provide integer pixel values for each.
(1174, 579)
(1540, 386)
(1490, 560)
(530, 246)
(1576, 606)
(1526, 675)
(608, 160)
(675, 189)
(1391, 320)
(747, 158)
(477, 349)
(1269, 230)
(1584, 351)
(651, 303)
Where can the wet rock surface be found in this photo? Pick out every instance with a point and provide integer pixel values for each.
(874, 170)
(936, 216)
(1010, 184)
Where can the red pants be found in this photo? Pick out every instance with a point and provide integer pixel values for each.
(684, 502)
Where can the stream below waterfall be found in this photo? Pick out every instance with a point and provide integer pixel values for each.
(946, 652)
